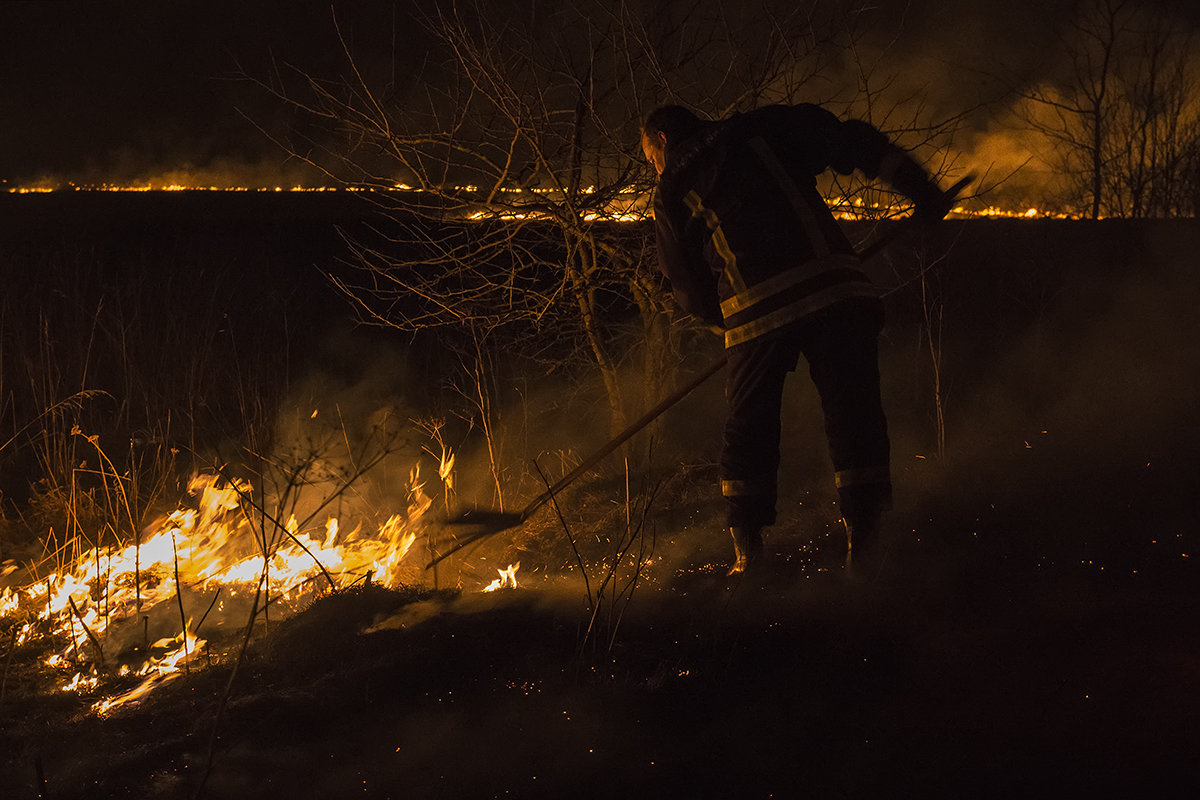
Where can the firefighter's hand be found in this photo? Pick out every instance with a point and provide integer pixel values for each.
(933, 206)
(936, 204)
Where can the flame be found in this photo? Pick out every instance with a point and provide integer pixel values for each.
(136, 693)
(629, 205)
(178, 650)
(9, 602)
(210, 551)
(507, 579)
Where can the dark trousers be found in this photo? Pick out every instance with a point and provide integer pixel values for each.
(841, 347)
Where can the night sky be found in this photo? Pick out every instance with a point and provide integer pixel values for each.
(98, 88)
(95, 90)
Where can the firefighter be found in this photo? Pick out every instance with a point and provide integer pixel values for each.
(749, 246)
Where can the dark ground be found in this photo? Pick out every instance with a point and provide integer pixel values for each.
(966, 669)
(1031, 633)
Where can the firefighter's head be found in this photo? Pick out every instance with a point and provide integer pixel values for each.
(665, 126)
(654, 146)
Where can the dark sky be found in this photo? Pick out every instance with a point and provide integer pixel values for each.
(105, 89)
(96, 86)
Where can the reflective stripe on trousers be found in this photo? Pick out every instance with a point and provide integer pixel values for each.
(841, 348)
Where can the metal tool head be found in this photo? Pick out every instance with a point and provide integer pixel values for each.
(478, 524)
(495, 521)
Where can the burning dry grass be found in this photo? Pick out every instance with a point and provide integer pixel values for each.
(116, 606)
(116, 621)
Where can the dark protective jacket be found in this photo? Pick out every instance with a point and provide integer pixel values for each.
(744, 237)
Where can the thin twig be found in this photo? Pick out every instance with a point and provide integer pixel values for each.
(91, 636)
(571, 539)
(212, 739)
(179, 599)
(210, 608)
(12, 647)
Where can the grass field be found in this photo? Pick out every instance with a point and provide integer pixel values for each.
(1029, 632)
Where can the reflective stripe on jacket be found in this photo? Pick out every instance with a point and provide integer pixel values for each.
(744, 236)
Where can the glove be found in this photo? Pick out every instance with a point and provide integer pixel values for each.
(909, 178)
(932, 204)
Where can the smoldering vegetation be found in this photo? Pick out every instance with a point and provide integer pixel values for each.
(1024, 634)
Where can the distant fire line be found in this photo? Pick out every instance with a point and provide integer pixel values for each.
(959, 212)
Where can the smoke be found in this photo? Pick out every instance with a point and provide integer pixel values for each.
(346, 442)
(147, 93)
(1064, 366)
(1011, 167)
(961, 54)
(1126, 371)
(154, 102)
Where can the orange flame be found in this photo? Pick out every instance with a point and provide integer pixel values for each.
(507, 579)
(207, 548)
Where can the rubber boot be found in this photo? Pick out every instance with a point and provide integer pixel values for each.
(747, 549)
(862, 543)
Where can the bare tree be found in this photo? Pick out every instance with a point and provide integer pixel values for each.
(1155, 123)
(1123, 118)
(519, 151)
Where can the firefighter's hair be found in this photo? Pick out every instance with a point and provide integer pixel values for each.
(675, 122)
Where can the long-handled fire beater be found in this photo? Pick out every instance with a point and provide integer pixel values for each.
(490, 522)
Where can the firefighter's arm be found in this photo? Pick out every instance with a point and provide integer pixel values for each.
(859, 145)
(905, 175)
(692, 284)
